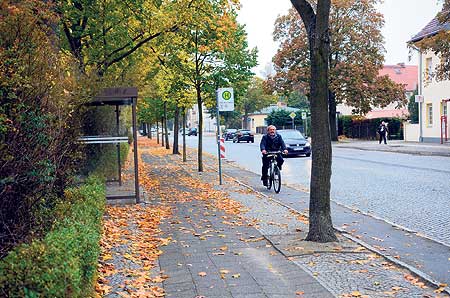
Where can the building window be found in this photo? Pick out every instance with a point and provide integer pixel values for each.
(444, 108)
(428, 68)
(429, 114)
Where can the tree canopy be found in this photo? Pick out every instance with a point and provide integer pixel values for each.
(356, 56)
(210, 52)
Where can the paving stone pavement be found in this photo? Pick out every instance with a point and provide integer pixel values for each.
(214, 254)
(257, 254)
(389, 280)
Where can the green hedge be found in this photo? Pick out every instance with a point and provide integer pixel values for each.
(64, 262)
(360, 128)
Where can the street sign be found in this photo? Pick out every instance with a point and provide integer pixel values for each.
(292, 115)
(303, 115)
(418, 98)
(225, 99)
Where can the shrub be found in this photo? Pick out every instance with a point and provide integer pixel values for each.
(39, 120)
(64, 262)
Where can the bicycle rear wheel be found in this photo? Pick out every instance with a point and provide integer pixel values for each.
(276, 179)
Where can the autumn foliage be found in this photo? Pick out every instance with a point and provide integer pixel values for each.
(38, 122)
(356, 56)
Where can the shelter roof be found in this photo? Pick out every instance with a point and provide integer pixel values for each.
(115, 96)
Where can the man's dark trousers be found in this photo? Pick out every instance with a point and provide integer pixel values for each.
(266, 164)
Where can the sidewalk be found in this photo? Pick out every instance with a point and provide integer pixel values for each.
(399, 146)
(232, 241)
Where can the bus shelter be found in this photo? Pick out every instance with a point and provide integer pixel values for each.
(121, 96)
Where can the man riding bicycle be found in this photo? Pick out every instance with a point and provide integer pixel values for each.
(271, 142)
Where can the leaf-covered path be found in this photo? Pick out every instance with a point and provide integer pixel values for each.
(206, 247)
(194, 238)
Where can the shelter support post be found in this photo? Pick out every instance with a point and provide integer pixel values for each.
(135, 147)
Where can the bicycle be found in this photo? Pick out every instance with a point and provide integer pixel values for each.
(274, 172)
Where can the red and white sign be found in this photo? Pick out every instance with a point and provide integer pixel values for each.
(222, 148)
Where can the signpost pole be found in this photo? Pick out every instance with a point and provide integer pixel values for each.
(224, 102)
(305, 122)
(306, 126)
(218, 136)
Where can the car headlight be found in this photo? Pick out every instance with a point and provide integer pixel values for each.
(308, 144)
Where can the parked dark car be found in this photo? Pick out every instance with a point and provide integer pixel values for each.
(229, 133)
(296, 143)
(192, 131)
(244, 135)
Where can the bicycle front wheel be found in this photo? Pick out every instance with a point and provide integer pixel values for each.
(270, 178)
(276, 180)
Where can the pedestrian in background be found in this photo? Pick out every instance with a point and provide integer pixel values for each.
(382, 131)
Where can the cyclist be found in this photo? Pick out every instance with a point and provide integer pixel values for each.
(271, 142)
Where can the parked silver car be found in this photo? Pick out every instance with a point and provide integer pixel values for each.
(296, 143)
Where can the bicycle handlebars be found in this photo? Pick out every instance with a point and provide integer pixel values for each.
(273, 152)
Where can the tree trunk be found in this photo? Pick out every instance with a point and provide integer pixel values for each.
(175, 131)
(246, 125)
(332, 115)
(317, 26)
(162, 132)
(184, 134)
(150, 134)
(166, 131)
(157, 132)
(200, 130)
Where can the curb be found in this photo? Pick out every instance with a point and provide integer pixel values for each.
(414, 270)
(401, 151)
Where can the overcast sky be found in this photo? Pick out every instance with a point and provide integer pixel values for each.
(403, 19)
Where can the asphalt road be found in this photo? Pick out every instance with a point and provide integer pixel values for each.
(408, 190)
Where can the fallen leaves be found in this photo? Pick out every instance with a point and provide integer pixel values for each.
(354, 294)
(441, 288)
(252, 239)
(415, 281)
(138, 233)
(130, 236)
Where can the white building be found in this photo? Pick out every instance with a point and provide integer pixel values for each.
(434, 105)
(209, 124)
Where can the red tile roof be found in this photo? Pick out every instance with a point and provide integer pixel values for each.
(400, 113)
(402, 74)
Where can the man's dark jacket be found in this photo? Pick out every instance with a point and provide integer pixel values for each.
(272, 144)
